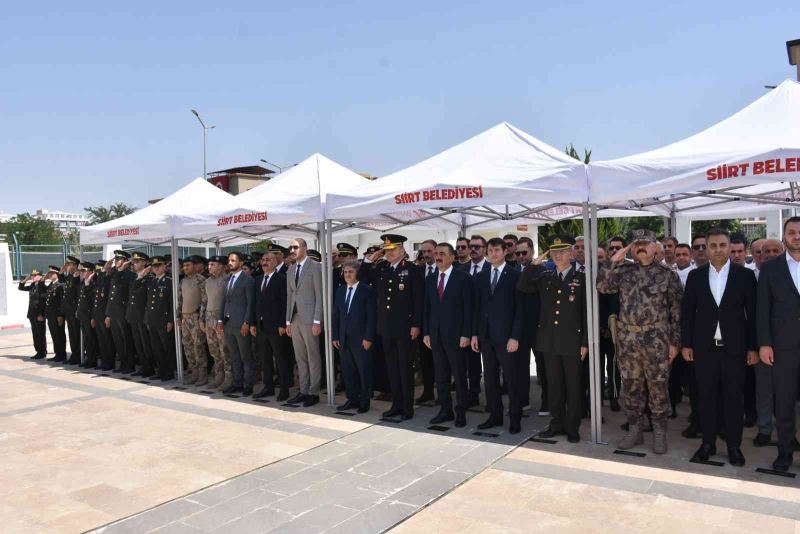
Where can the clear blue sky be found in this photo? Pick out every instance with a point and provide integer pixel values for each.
(95, 97)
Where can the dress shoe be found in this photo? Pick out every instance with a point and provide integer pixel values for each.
(549, 432)
(231, 390)
(442, 417)
(614, 405)
(311, 400)
(691, 432)
(735, 456)
(407, 416)
(705, 452)
(126, 370)
(73, 361)
(59, 358)
(148, 373)
(425, 397)
(137, 373)
(363, 409)
(167, 378)
(37, 356)
(782, 463)
(762, 440)
(347, 406)
(514, 428)
(247, 391)
(461, 420)
(489, 423)
(297, 399)
(573, 438)
(749, 421)
(262, 394)
(393, 412)
(284, 395)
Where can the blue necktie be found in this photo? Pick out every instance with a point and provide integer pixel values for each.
(347, 300)
(494, 279)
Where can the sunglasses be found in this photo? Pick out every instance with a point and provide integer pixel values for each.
(698, 247)
(475, 247)
(614, 248)
(521, 253)
(510, 244)
(461, 247)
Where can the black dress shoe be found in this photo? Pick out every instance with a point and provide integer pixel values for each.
(425, 397)
(705, 452)
(126, 370)
(691, 432)
(167, 378)
(148, 373)
(284, 395)
(461, 420)
(549, 432)
(442, 417)
(231, 390)
(394, 412)
(762, 440)
(297, 399)
(614, 405)
(782, 463)
(59, 358)
(263, 393)
(407, 416)
(73, 361)
(347, 406)
(38, 356)
(573, 438)
(247, 391)
(311, 400)
(749, 421)
(363, 409)
(735, 456)
(489, 423)
(137, 373)
(514, 428)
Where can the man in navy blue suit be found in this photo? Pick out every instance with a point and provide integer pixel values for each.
(447, 328)
(270, 327)
(353, 334)
(496, 333)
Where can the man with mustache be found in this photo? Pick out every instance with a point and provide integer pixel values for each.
(648, 334)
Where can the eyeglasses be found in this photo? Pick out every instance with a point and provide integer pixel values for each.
(698, 247)
(521, 253)
(612, 249)
(475, 247)
(510, 244)
(461, 247)
(294, 247)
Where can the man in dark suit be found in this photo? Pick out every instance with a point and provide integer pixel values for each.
(562, 334)
(426, 364)
(237, 313)
(447, 328)
(353, 334)
(159, 317)
(399, 292)
(270, 327)
(121, 278)
(718, 333)
(497, 329)
(777, 314)
(530, 326)
(34, 285)
(54, 313)
(72, 286)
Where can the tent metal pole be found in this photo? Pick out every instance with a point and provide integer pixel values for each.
(329, 317)
(597, 389)
(590, 296)
(462, 232)
(322, 244)
(176, 314)
(216, 247)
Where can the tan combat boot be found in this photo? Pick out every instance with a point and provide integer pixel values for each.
(202, 377)
(216, 379)
(227, 382)
(632, 438)
(191, 379)
(659, 437)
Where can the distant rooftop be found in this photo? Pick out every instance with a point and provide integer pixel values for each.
(255, 170)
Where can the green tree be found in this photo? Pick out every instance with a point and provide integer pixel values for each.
(734, 226)
(31, 230)
(101, 214)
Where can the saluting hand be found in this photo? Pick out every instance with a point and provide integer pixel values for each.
(619, 256)
(540, 259)
(375, 256)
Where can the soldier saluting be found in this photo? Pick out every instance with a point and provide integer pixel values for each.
(120, 280)
(53, 311)
(86, 314)
(36, 292)
(648, 334)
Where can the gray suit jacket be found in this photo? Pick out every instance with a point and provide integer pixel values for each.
(238, 303)
(306, 296)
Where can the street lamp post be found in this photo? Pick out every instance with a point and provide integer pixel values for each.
(205, 140)
(280, 169)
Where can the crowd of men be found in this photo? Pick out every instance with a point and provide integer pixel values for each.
(675, 319)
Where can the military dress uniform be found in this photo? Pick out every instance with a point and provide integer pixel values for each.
(649, 323)
(53, 311)
(213, 293)
(72, 288)
(118, 295)
(157, 317)
(400, 296)
(562, 331)
(36, 298)
(86, 314)
(190, 299)
(105, 340)
(134, 315)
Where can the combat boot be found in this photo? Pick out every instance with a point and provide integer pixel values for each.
(191, 379)
(632, 438)
(227, 382)
(202, 377)
(660, 437)
(216, 379)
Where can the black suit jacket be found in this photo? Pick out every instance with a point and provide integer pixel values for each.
(270, 304)
(450, 318)
(735, 313)
(498, 317)
(237, 303)
(778, 308)
(358, 323)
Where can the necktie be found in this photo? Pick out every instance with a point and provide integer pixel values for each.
(582, 269)
(495, 275)
(474, 269)
(230, 284)
(440, 287)
(297, 275)
(430, 270)
(561, 275)
(347, 300)
(264, 284)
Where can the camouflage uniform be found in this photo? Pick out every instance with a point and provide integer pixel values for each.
(649, 322)
(222, 371)
(190, 298)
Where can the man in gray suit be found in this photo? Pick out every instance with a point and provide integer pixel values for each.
(304, 321)
(237, 313)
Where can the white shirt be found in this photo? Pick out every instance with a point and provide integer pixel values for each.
(446, 277)
(683, 274)
(232, 281)
(479, 265)
(794, 270)
(499, 272)
(265, 281)
(430, 269)
(354, 288)
(717, 282)
(563, 274)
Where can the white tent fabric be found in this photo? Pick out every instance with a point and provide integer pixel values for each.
(727, 204)
(500, 166)
(759, 144)
(156, 223)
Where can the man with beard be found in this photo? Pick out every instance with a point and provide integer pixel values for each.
(669, 243)
(462, 253)
(699, 255)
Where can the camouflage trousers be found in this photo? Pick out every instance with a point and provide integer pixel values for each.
(216, 346)
(643, 358)
(193, 340)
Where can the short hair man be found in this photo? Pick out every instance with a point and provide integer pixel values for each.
(699, 254)
(462, 252)
(237, 314)
(738, 249)
(510, 241)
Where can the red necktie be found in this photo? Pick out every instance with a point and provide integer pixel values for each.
(440, 287)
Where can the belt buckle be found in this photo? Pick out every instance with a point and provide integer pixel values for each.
(718, 343)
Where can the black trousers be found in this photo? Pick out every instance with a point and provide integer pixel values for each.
(541, 379)
(162, 344)
(105, 344)
(495, 358)
(785, 370)
(58, 336)
(39, 333)
(357, 372)
(89, 344)
(449, 360)
(522, 361)
(720, 392)
(400, 368)
(141, 340)
(123, 342)
(564, 391)
(74, 334)
(270, 351)
(750, 393)
(474, 371)
(426, 367)
(286, 364)
(380, 372)
(608, 358)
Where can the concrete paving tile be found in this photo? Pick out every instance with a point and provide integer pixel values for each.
(477, 459)
(176, 528)
(154, 518)
(346, 489)
(379, 518)
(298, 481)
(255, 522)
(227, 490)
(324, 453)
(228, 510)
(430, 487)
(355, 457)
(278, 470)
(318, 519)
(399, 478)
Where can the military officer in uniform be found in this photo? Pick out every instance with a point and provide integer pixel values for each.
(159, 320)
(134, 314)
(400, 295)
(345, 253)
(120, 279)
(105, 339)
(562, 337)
(211, 302)
(34, 285)
(85, 311)
(648, 334)
(71, 279)
(190, 299)
(53, 312)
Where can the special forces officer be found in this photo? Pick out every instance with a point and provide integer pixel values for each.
(190, 299)
(71, 279)
(34, 285)
(562, 335)
(400, 296)
(120, 279)
(214, 291)
(53, 311)
(648, 334)
(158, 318)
